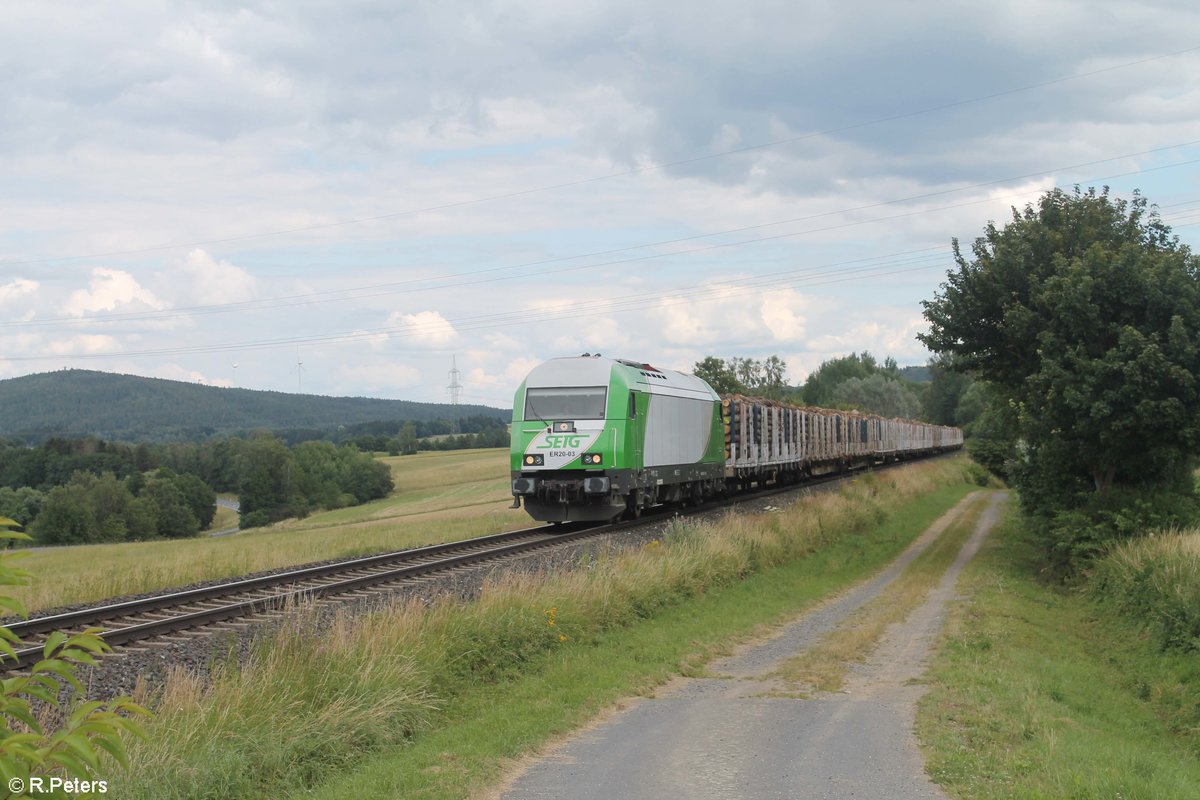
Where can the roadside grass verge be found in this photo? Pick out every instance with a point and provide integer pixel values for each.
(439, 497)
(823, 668)
(1155, 582)
(1038, 692)
(486, 682)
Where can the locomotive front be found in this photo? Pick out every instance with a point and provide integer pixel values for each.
(568, 431)
(595, 437)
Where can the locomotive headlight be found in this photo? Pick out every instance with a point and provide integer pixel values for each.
(591, 459)
(535, 460)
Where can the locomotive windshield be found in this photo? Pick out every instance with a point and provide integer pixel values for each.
(566, 402)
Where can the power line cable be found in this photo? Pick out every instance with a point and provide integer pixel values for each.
(383, 289)
(598, 178)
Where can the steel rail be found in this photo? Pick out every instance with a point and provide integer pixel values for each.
(412, 563)
(131, 633)
(96, 614)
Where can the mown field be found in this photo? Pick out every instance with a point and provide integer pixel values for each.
(439, 496)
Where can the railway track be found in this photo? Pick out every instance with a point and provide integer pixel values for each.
(212, 607)
(161, 615)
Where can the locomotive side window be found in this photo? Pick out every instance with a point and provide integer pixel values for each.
(567, 402)
(633, 405)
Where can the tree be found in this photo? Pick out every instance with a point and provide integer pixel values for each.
(877, 394)
(821, 382)
(173, 517)
(265, 468)
(718, 375)
(743, 375)
(1084, 313)
(946, 388)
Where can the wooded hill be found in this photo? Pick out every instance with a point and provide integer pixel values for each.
(75, 403)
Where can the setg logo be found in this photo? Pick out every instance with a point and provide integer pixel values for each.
(560, 449)
(571, 442)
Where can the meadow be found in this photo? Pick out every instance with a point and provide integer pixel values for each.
(439, 496)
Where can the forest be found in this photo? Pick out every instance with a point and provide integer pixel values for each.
(89, 490)
(77, 403)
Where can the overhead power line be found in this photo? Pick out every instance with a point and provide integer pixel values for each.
(598, 178)
(455, 280)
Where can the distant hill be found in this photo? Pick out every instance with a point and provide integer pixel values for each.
(74, 403)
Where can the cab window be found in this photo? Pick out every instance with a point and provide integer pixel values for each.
(567, 402)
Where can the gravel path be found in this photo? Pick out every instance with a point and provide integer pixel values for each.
(728, 737)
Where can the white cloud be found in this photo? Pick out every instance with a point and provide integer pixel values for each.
(781, 314)
(424, 327)
(108, 289)
(83, 344)
(211, 281)
(17, 288)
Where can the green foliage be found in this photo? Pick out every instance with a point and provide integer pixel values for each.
(743, 375)
(820, 388)
(283, 483)
(1080, 532)
(255, 519)
(1083, 312)
(92, 508)
(22, 505)
(91, 732)
(946, 389)
(878, 394)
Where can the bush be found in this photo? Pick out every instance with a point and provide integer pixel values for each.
(255, 519)
(1155, 581)
(1077, 536)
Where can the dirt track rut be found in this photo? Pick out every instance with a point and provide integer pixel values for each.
(733, 737)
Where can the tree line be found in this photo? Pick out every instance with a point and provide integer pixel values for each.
(89, 490)
(858, 381)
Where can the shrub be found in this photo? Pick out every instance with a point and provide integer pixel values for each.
(1155, 581)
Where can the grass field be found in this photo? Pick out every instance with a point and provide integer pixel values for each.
(439, 496)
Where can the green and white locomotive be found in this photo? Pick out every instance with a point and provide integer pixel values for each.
(594, 438)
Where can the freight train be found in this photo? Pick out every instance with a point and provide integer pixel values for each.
(598, 438)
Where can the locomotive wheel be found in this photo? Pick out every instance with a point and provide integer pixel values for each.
(633, 505)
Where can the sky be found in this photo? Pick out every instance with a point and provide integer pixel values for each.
(352, 198)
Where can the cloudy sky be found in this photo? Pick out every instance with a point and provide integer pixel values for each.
(344, 197)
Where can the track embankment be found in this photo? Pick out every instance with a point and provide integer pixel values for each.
(758, 727)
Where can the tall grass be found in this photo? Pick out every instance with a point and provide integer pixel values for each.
(1155, 580)
(305, 706)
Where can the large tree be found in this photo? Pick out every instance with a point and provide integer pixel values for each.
(1084, 313)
